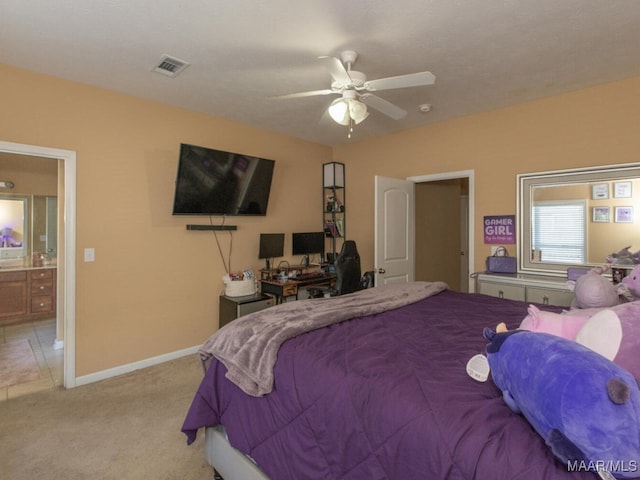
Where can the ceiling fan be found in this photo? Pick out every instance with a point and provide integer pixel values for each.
(355, 90)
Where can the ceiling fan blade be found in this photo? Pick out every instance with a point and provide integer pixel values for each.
(401, 81)
(311, 93)
(337, 70)
(383, 106)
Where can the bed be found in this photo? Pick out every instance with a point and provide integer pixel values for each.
(383, 396)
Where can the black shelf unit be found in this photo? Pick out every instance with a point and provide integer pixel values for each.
(334, 216)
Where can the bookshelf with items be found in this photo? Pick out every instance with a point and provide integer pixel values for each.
(333, 201)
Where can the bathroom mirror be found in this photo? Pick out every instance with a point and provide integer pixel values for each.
(28, 223)
(14, 226)
(576, 218)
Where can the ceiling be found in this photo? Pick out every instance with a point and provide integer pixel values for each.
(485, 54)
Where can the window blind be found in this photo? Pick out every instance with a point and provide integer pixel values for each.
(559, 231)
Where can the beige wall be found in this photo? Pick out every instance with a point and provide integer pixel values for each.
(596, 126)
(154, 285)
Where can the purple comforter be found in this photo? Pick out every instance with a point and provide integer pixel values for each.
(384, 397)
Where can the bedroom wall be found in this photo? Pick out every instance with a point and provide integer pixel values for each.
(595, 126)
(154, 286)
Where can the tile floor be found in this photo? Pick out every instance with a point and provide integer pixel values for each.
(41, 334)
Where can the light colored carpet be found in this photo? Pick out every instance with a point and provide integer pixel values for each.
(126, 427)
(18, 364)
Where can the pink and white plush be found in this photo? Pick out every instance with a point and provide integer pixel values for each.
(632, 281)
(615, 333)
(564, 325)
(592, 290)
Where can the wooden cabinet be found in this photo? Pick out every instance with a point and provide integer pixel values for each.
(526, 288)
(13, 294)
(27, 295)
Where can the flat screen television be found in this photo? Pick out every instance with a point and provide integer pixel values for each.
(271, 246)
(215, 182)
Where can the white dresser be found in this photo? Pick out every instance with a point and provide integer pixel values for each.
(526, 288)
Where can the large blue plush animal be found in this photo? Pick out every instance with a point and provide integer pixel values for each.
(585, 407)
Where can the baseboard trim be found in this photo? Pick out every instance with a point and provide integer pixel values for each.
(131, 367)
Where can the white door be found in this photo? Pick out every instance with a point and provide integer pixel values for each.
(394, 230)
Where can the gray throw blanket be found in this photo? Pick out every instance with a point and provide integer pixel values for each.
(249, 346)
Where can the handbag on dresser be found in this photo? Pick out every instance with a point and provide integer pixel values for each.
(501, 262)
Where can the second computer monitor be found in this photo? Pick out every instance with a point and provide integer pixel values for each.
(308, 243)
(271, 245)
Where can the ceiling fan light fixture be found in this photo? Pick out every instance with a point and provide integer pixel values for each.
(344, 110)
(339, 111)
(358, 111)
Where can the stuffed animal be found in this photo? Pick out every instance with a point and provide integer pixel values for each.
(624, 257)
(585, 407)
(561, 324)
(592, 290)
(632, 281)
(612, 332)
(615, 333)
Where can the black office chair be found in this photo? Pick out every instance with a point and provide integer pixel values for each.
(348, 273)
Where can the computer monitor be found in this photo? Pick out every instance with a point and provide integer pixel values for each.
(308, 243)
(271, 246)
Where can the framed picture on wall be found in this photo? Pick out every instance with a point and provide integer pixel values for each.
(622, 190)
(601, 215)
(624, 215)
(600, 191)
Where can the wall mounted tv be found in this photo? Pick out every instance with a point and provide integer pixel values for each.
(215, 182)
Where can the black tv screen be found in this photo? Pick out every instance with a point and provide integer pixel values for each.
(307, 243)
(215, 182)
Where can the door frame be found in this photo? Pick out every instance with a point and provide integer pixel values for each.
(470, 176)
(69, 266)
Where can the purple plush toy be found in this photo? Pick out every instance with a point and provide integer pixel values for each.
(632, 281)
(585, 407)
(592, 290)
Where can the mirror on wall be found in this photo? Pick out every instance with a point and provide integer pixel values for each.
(28, 223)
(577, 217)
(14, 226)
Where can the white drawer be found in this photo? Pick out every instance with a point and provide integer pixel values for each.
(502, 290)
(549, 296)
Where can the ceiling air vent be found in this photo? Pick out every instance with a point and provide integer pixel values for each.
(170, 66)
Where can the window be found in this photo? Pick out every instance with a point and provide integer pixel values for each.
(559, 231)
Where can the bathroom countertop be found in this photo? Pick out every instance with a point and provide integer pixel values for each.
(14, 268)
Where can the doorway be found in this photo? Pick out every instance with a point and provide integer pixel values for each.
(442, 216)
(441, 229)
(66, 249)
(445, 215)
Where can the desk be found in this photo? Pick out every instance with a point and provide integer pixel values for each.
(281, 289)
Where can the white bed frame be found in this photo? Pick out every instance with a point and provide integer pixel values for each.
(228, 463)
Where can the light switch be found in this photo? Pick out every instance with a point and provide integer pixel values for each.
(89, 254)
